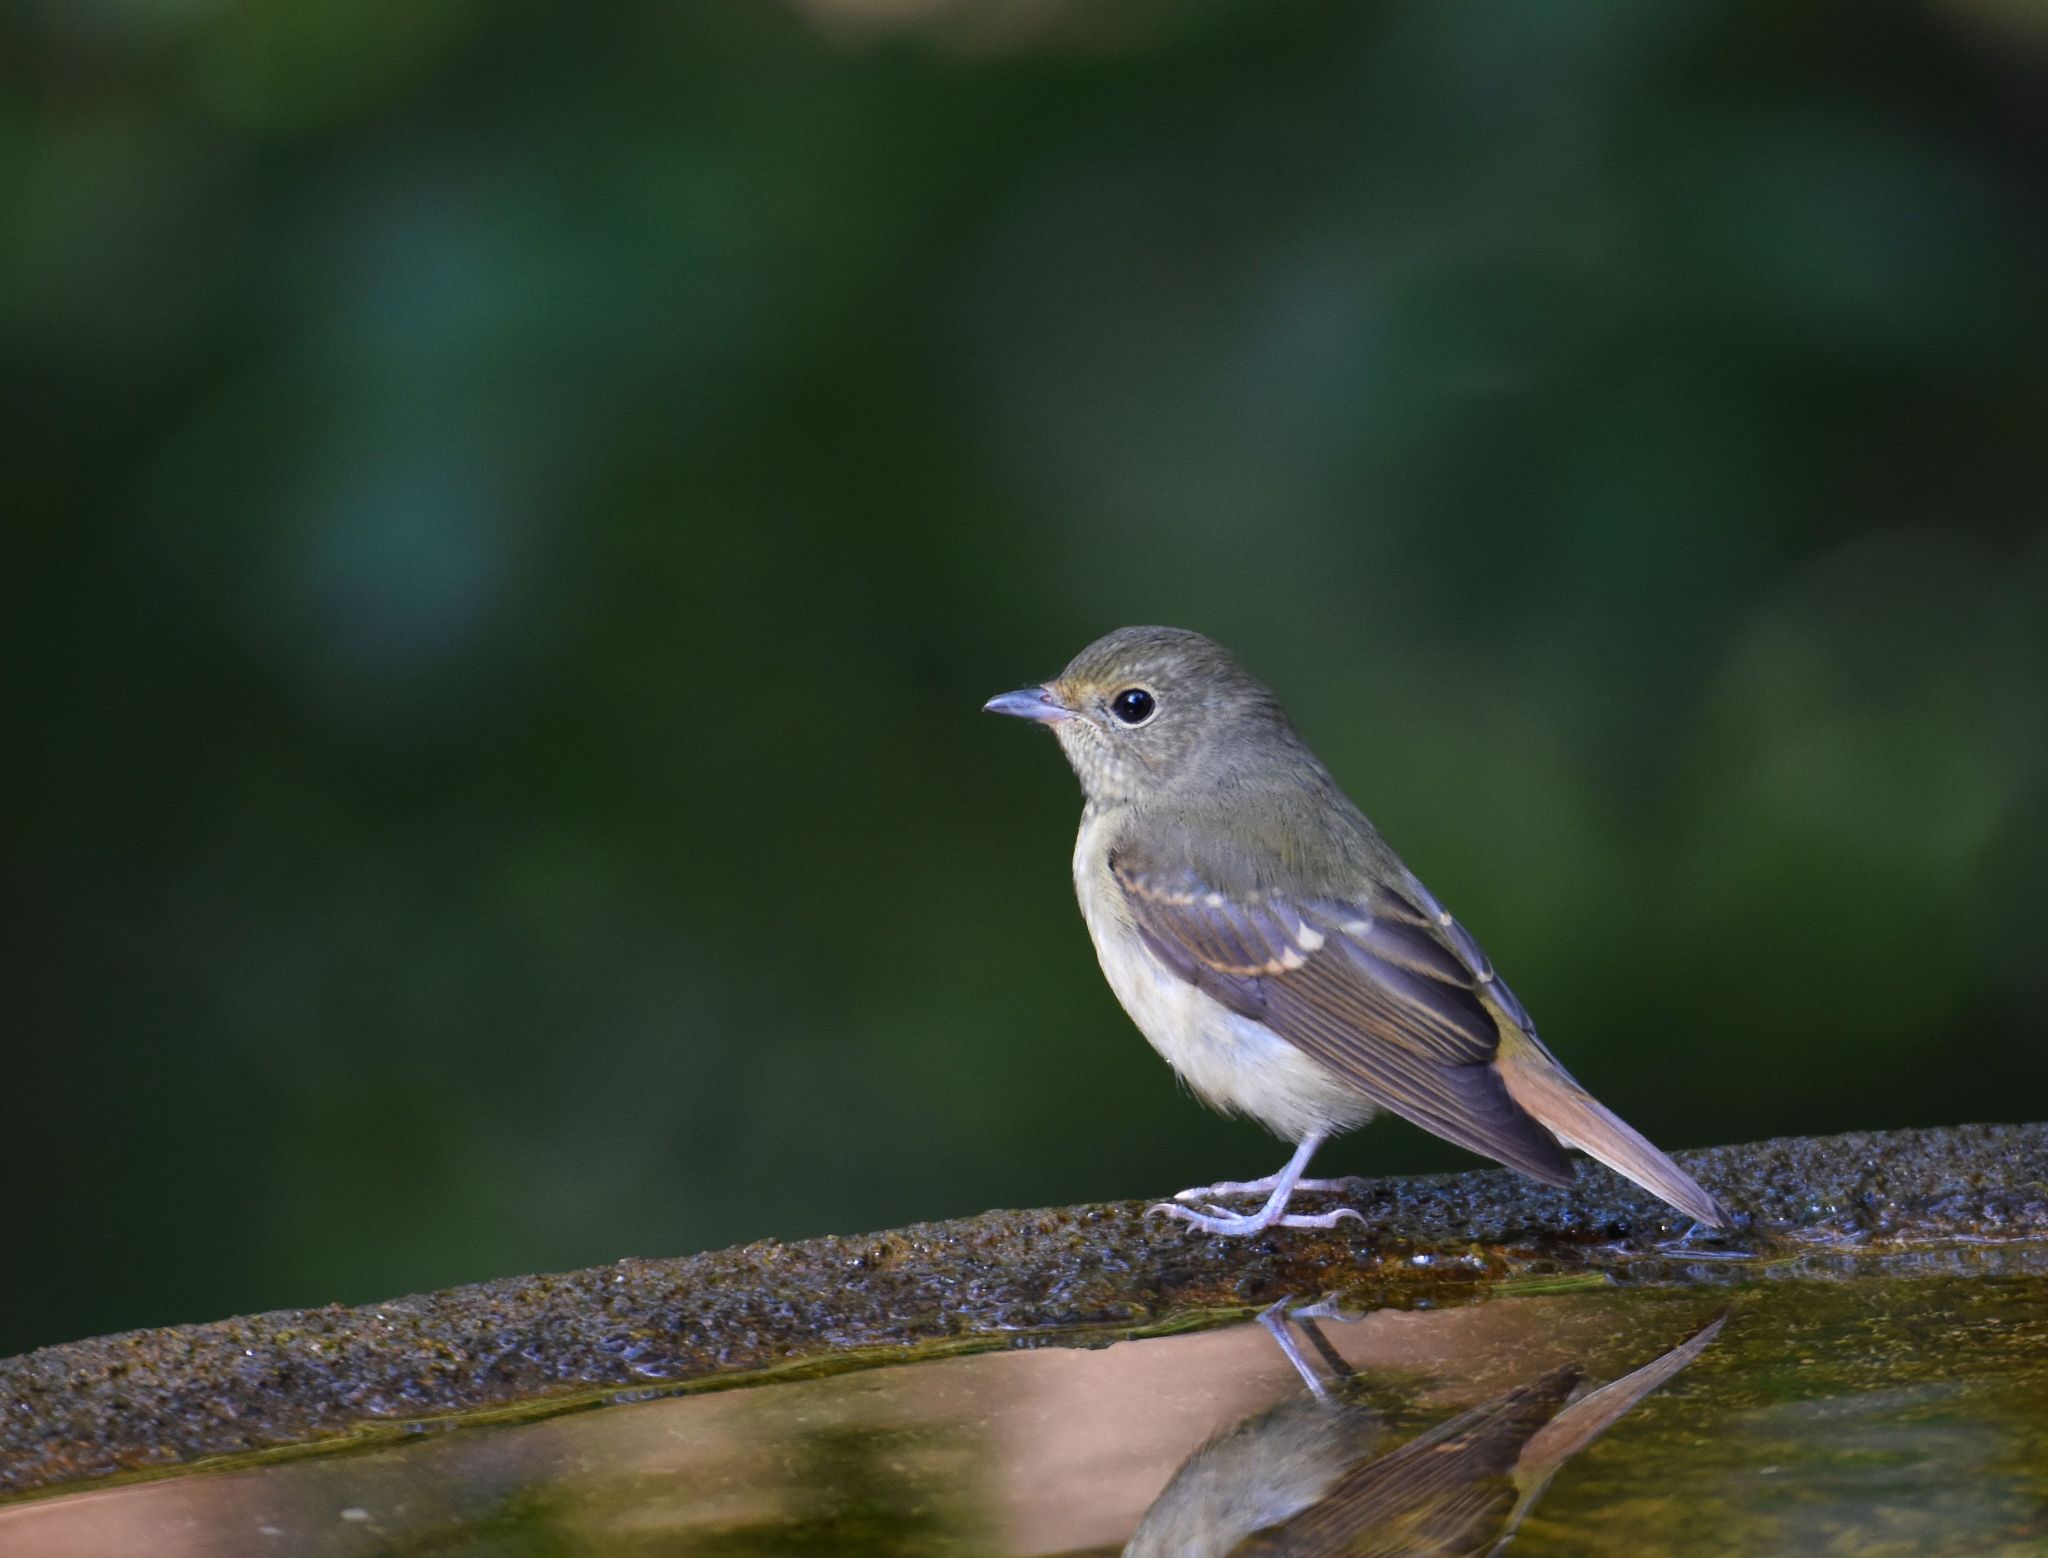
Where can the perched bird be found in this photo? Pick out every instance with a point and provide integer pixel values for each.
(1267, 941)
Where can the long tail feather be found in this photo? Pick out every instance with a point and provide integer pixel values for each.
(1543, 1087)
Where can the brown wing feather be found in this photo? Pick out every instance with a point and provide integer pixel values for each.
(1370, 990)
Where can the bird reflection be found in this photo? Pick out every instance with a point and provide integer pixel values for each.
(1321, 1473)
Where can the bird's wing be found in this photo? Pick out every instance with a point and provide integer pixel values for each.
(1377, 988)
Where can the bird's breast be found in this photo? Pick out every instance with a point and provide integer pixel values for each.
(1231, 1062)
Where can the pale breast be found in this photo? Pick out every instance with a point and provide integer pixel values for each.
(1231, 1062)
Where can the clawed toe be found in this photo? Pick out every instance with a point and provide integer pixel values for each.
(1199, 1207)
(1228, 1187)
(1260, 1187)
(1211, 1221)
(1321, 1219)
(1201, 1216)
(1214, 1219)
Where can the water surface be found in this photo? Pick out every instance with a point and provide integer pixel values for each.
(1878, 1415)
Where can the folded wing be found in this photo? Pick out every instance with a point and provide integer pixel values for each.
(1371, 989)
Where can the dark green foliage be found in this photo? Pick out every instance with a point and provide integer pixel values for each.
(508, 514)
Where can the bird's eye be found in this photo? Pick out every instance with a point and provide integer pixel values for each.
(1134, 705)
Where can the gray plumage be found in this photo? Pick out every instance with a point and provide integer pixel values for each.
(1273, 947)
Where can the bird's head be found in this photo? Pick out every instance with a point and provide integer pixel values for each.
(1142, 711)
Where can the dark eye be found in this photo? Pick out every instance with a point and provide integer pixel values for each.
(1133, 706)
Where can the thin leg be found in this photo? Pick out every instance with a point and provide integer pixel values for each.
(1273, 1213)
(1260, 1187)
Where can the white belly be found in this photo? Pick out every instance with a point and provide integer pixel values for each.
(1230, 1062)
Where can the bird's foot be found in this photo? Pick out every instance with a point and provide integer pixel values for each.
(1214, 1219)
(1683, 1244)
(1263, 1187)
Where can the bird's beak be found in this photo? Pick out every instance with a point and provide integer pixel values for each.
(1036, 703)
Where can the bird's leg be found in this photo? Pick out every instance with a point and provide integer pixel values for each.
(1260, 1187)
(1274, 1212)
(1290, 1176)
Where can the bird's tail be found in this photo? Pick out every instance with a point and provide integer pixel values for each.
(1540, 1085)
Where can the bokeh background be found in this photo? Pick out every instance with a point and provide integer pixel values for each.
(510, 511)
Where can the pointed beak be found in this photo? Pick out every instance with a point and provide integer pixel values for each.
(1035, 703)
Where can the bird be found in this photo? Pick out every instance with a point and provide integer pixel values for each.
(1272, 947)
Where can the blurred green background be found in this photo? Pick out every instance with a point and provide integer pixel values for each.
(510, 511)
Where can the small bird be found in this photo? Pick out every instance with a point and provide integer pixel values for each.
(1273, 948)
